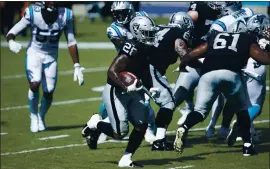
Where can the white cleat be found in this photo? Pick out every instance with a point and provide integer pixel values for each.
(210, 132)
(41, 124)
(184, 113)
(34, 123)
(223, 133)
(127, 162)
(179, 140)
(149, 136)
(239, 139)
(92, 123)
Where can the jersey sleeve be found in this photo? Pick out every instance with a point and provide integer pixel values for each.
(219, 26)
(141, 13)
(26, 20)
(69, 31)
(113, 32)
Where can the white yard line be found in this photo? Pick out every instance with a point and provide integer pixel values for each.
(53, 137)
(3, 134)
(67, 72)
(187, 166)
(91, 99)
(78, 145)
(81, 45)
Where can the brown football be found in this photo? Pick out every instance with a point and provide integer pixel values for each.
(128, 78)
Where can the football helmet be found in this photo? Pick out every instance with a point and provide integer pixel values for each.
(143, 29)
(50, 6)
(258, 24)
(122, 11)
(181, 20)
(216, 5)
(231, 7)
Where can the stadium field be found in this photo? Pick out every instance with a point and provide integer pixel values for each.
(62, 147)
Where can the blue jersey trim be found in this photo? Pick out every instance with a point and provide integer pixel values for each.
(221, 24)
(68, 14)
(31, 12)
(116, 30)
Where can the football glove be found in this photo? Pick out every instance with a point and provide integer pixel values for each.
(133, 87)
(78, 75)
(263, 43)
(155, 92)
(14, 46)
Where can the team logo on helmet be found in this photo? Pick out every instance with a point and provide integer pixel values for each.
(136, 28)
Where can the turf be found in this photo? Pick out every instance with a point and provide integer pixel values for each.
(68, 119)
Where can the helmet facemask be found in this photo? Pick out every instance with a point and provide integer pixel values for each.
(122, 16)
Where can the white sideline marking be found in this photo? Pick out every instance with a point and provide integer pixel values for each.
(77, 145)
(187, 166)
(81, 45)
(216, 127)
(3, 134)
(53, 137)
(67, 72)
(91, 99)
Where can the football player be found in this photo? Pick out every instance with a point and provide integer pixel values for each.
(47, 22)
(171, 43)
(126, 103)
(255, 77)
(203, 15)
(222, 74)
(118, 32)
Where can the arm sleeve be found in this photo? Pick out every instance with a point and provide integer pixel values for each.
(23, 23)
(69, 31)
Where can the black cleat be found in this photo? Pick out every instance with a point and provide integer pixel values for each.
(231, 138)
(162, 145)
(249, 151)
(92, 139)
(85, 131)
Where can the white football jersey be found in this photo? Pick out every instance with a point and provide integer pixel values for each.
(45, 38)
(223, 24)
(119, 30)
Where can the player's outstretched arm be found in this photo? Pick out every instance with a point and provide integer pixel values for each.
(260, 55)
(17, 28)
(118, 65)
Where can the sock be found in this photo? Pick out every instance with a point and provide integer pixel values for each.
(44, 107)
(151, 119)
(243, 121)
(33, 99)
(253, 111)
(103, 111)
(135, 140)
(161, 133)
(105, 128)
(192, 119)
(247, 144)
(216, 110)
(252, 129)
(228, 113)
(164, 117)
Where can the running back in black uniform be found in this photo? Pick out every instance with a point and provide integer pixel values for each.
(139, 62)
(206, 16)
(228, 51)
(163, 53)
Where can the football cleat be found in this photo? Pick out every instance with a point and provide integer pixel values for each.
(85, 130)
(41, 124)
(249, 150)
(149, 136)
(223, 133)
(210, 132)
(125, 162)
(33, 123)
(180, 140)
(92, 139)
(231, 139)
(162, 145)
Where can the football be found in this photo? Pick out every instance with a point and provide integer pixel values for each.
(128, 79)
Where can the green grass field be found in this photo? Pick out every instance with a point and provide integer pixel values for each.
(21, 149)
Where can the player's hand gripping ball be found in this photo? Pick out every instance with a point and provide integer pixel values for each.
(131, 81)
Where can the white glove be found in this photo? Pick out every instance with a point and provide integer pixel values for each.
(155, 92)
(177, 69)
(263, 43)
(133, 87)
(78, 75)
(14, 46)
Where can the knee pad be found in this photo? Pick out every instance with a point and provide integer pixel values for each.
(164, 117)
(49, 89)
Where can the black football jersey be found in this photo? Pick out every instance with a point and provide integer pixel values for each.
(228, 51)
(206, 17)
(163, 52)
(139, 64)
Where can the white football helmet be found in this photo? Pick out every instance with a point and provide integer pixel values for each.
(122, 11)
(181, 20)
(258, 23)
(231, 7)
(143, 29)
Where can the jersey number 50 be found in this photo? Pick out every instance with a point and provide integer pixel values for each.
(220, 43)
